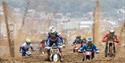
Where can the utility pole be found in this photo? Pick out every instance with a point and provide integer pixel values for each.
(11, 43)
(96, 23)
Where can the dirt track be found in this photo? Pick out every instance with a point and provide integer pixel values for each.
(70, 57)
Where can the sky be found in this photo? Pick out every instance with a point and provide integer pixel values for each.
(109, 8)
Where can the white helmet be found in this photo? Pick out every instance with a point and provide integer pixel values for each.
(111, 31)
(90, 39)
(51, 28)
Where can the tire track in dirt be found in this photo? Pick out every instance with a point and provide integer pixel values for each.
(70, 57)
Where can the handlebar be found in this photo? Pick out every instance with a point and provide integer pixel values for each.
(54, 47)
(48, 47)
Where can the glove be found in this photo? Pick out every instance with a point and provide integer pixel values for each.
(97, 52)
(79, 51)
(63, 45)
(60, 46)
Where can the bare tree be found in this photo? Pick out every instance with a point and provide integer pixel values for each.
(25, 13)
(11, 43)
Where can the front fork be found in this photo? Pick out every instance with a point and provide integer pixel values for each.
(106, 48)
(114, 50)
(49, 53)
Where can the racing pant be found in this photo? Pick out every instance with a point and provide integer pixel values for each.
(23, 51)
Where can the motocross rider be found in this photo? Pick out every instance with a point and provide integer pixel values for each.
(24, 48)
(90, 46)
(110, 36)
(78, 40)
(53, 38)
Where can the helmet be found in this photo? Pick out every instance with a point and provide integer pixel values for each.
(53, 31)
(51, 28)
(78, 37)
(89, 39)
(28, 40)
(111, 31)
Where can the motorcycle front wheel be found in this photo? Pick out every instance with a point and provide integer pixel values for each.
(56, 57)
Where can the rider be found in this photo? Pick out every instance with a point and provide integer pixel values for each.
(78, 40)
(53, 38)
(110, 36)
(84, 41)
(24, 48)
(42, 46)
(90, 46)
(52, 30)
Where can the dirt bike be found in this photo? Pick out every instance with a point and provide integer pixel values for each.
(76, 47)
(55, 54)
(87, 55)
(110, 49)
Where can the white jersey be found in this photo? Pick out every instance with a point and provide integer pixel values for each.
(26, 46)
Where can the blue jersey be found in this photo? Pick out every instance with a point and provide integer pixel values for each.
(58, 40)
(88, 48)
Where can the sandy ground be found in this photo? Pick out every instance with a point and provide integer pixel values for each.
(70, 57)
